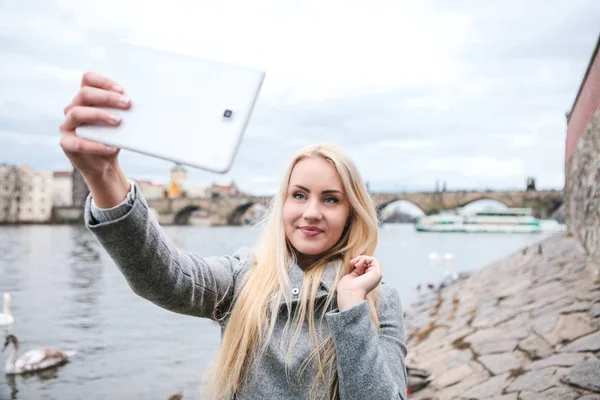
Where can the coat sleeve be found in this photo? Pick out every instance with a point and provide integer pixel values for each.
(156, 269)
(370, 364)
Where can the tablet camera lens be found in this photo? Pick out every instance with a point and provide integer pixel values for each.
(227, 113)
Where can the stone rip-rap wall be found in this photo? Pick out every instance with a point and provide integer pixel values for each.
(582, 190)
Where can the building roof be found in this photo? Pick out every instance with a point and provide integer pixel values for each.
(585, 76)
(62, 174)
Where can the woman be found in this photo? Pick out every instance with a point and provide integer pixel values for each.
(303, 316)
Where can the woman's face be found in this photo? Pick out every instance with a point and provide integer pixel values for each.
(316, 209)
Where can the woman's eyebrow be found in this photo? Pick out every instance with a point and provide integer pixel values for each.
(322, 192)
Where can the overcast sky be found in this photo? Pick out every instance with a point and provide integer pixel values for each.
(473, 93)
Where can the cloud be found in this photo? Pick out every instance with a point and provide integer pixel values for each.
(478, 166)
(473, 93)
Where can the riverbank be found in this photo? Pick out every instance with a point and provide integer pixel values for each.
(525, 327)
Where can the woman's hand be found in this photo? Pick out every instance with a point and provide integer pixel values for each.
(97, 162)
(353, 288)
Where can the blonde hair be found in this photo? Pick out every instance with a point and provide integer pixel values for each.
(266, 286)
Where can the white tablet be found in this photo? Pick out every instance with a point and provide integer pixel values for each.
(185, 109)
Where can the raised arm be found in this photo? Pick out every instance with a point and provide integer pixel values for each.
(154, 268)
(157, 270)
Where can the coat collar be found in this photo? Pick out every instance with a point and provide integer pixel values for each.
(297, 277)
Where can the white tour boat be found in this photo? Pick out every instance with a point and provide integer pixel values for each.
(508, 220)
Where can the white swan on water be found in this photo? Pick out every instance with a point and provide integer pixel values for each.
(448, 257)
(34, 360)
(6, 317)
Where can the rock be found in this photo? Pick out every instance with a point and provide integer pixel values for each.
(552, 307)
(586, 376)
(456, 334)
(590, 397)
(549, 292)
(595, 311)
(454, 375)
(536, 380)
(544, 325)
(487, 389)
(535, 347)
(492, 347)
(494, 318)
(587, 296)
(438, 333)
(517, 301)
(440, 362)
(590, 342)
(528, 395)
(500, 363)
(559, 360)
(543, 301)
(425, 394)
(570, 327)
(514, 289)
(555, 393)
(518, 326)
(452, 392)
(576, 307)
(501, 339)
(512, 396)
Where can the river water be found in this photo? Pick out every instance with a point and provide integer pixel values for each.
(67, 293)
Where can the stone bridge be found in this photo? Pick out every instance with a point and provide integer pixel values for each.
(231, 210)
(543, 202)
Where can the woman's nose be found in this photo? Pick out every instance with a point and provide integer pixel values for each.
(312, 211)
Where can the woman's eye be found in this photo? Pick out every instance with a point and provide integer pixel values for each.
(298, 196)
(331, 200)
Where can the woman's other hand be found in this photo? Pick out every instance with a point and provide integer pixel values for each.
(353, 288)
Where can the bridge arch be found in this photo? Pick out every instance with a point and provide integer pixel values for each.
(403, 211)
(182, 217)
(484, 203)
(238, 215)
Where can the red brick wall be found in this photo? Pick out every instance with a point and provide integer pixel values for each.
(586, 105)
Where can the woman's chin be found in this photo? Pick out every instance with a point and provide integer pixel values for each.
(309, 249)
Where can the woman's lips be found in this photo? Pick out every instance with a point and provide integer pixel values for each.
(310, 231)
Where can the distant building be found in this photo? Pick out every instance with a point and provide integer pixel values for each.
(62, 191)
(10, 193)
(151, 191)
(80, 189)
(177, 186)
(198, 190)
(25, 195)
(36, 195)
(216, 190)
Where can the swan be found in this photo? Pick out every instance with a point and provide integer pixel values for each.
(6, 317)
(433, 256)
(448, 257)
(34, 360)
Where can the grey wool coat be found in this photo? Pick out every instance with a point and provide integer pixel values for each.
(370, 364)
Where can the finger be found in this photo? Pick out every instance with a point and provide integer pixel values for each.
(359, 270)
(374, 269)
(80, 115)
(361, 266)
(373, 266)
(91, 96)
(75, 144)
(357, 258)
(94, 79)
